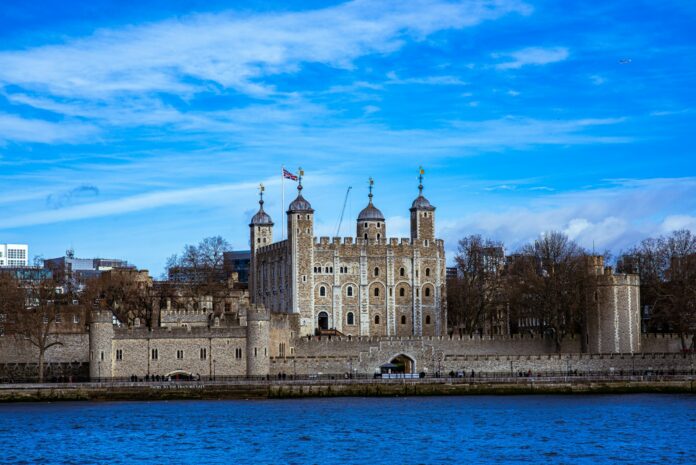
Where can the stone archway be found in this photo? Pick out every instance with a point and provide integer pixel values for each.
(323, 321)
(403, 364)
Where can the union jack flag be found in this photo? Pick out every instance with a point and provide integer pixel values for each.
(288, 175)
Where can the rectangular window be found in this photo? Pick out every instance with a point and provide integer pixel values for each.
(101, 355)
(179, 354)
(204, 353)
(119, 354)
(155, 354)
(76, 318)
(59, 318)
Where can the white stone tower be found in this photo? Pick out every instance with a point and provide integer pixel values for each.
(260, 235)
(301, 242)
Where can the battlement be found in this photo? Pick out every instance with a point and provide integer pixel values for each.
(195, 332)
(609, 278)
(258, 312)
(354, 244)
(276, 246)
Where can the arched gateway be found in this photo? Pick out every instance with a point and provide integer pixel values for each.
(400, 364)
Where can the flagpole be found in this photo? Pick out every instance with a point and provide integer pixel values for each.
(282, 202)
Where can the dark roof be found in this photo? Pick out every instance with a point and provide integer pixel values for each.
(370, 213)
(261, 218)
(421, 203)
(300, 205)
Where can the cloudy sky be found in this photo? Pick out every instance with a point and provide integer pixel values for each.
(129, 131)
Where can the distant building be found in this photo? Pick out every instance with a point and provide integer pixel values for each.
(238, 262)
(451, 272)
(14, 255)
(27, 274)
(81, 269)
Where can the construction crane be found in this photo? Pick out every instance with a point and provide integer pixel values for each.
(343, 211)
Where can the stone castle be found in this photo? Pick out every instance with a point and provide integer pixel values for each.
(370, 285)
(343, 306)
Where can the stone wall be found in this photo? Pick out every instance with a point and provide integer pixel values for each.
(364, 355)
(74, 348)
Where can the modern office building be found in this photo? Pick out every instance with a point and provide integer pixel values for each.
(14, 255)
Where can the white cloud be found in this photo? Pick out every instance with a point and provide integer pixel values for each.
(16, 128)
(443, 80)
(126, 205)
(186, 55)
(531, 56)
(677, 222)
(603, 217)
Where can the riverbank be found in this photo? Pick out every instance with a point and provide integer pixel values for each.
(176, 390)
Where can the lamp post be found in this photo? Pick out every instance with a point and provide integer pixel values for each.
(213, 369)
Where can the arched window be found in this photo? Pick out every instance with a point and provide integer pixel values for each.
(376, 292)
(349, 291)
(427, 292)
(403, 319)
(402, 272)
(427, 271)
(377, 236)
(366, 236)
(376, 271)
(376, 319)
(322, 291)
(427, 319)
(350, 319)
(402, 292)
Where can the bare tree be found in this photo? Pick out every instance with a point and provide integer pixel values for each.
(198, 276)
(31, 309)
(667, 269)
(548, 286)
(128, 293)
(475, 295)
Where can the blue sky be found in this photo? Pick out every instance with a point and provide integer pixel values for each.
(129, 131)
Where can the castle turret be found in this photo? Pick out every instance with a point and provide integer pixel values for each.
(301, 241)
(258, 357)
(422, 216)
(370, 224)
(101, 333)
(260, 235)
(613, 318)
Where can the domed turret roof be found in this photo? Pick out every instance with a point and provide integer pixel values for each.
(261, 218)
(300, 204)
(421, 203)
(370, 213)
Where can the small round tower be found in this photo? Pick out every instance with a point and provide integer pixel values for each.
(257, 341)
(101, 335)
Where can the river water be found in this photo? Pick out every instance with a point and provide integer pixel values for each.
(517, 429)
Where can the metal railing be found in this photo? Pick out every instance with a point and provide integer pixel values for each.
(482, 378)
